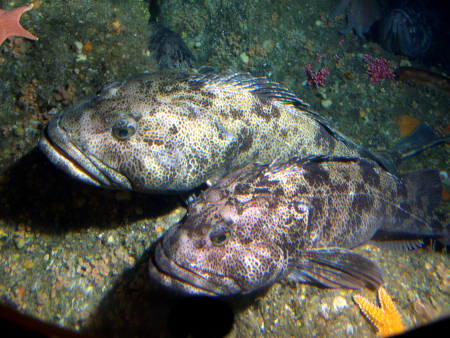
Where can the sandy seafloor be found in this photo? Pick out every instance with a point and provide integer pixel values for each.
(76, 255)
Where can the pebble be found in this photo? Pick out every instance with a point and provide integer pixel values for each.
(326, 103)
(339, 304)
(18, 131)
(324, 310)
(267, 45)
(110, 239)
(322, 94)
(77, 47)
(81, 57)
(360, 56)
(3, 237)
(20, 242)
(405, 63)
(244, 57)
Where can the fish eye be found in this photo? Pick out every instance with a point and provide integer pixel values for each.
(220, 235)
(124, 129)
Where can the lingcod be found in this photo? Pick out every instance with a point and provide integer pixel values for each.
(296, 221)
(171, 131)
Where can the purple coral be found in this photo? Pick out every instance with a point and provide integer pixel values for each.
(378, 69)
(318, 78)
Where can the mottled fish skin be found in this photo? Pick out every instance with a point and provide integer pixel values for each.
(169, 48)
(171, 131)
(294, 221)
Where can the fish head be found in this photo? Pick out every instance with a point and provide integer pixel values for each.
(225, 245)
(127, 137)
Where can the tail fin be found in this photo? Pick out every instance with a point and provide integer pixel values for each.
(428, 188)
(440, 220)
(418, 196)
(421, 139)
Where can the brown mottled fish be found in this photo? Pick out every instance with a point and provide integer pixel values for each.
(171, 131)
(296, 221)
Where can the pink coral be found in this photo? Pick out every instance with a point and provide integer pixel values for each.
(378, 69)
(318, 78)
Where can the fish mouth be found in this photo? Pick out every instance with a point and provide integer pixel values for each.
(188, 279)
(56, 144)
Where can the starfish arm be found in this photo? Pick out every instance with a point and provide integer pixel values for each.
(10, 25)
(373, 313)
(389, 308)
(386, 318)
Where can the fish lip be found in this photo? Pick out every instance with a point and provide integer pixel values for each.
(62, 160)
(169, 280)
(56, 144)
(171, 274)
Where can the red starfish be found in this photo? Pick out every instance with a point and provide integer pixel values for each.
(10, 26)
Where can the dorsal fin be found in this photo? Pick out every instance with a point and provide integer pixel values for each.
(265, 90)
(276, 166)
(323, 158)
(260, 86)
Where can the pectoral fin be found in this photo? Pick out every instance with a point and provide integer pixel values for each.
(335, 268)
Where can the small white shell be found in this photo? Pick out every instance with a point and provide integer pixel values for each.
(444, 176)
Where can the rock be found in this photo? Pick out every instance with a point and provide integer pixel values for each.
(77, 47)
(339, 304)
(18, 131)
(244, 57)
(405, 63)
(20, 242)
(326, 103)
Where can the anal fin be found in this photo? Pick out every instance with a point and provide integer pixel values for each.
(401, 246)
(335, 268)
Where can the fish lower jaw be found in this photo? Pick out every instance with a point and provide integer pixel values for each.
(176, 284)
(63, 160)
(176, 277)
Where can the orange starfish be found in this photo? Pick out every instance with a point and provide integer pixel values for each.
(10, 26)
(386, 318)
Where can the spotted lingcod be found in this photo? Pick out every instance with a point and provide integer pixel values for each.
(172, 130)
(296, 221)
